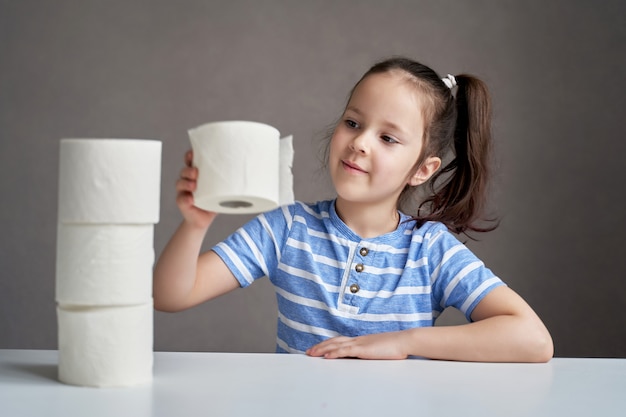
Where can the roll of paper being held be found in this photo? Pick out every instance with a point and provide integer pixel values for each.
(109, 181)
(243, 167)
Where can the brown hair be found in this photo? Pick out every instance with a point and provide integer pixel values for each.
(458, 126)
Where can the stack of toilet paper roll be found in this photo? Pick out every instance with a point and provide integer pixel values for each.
(109, 191)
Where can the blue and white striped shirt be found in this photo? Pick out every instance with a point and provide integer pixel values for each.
(331, 282)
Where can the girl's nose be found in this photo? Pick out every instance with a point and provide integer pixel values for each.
(360, 143)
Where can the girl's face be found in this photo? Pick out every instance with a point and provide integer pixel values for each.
(375, 147)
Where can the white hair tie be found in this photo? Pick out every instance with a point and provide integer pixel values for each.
(449, 81)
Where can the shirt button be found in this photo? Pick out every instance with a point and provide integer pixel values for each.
(364, 251)
(354, 288)
(359, 268)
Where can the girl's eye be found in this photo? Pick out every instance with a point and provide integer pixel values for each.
(388, 139)
(351, 124)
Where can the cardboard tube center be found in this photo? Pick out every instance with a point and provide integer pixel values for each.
(235, 204)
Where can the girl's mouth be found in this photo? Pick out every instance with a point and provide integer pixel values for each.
(352, 167)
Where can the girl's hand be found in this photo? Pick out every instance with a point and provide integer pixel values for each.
(185, 186)
(375, 346)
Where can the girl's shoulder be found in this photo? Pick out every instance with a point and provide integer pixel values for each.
(427, 229)
(319, 209)
(431, 234)
(288, 212)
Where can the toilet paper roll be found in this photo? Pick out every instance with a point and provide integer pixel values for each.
(109, 181)
(104, 264)
(241, 166)
(106, 346)
(285, 192)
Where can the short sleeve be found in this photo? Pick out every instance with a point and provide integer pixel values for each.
(253, 251)
(458, 278)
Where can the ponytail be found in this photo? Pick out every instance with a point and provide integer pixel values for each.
(459, 189)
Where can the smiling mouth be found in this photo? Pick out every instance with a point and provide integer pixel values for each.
(350, 167)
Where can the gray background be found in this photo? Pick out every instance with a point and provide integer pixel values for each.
(153, 69)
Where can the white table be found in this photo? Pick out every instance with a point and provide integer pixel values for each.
(231, 384)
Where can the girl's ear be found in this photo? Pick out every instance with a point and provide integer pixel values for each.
(425, 171)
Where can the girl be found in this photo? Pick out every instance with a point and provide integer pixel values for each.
(356, 277)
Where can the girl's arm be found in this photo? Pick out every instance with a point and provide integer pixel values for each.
(504, 329)
(183, 277)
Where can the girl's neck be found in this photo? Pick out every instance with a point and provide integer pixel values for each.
(367, 220)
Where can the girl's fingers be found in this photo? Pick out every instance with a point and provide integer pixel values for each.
(185, 185)
(189, 157)
(184, 198)
(189, 173)
(328, 345)
(187, 181)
